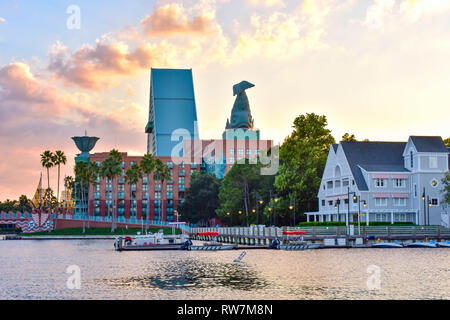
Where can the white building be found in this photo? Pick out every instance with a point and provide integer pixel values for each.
(385, 181)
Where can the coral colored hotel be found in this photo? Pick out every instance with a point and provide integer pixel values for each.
(172, 136)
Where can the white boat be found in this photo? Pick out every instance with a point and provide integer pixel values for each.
(150, 241)
(395, 244)
(444, 244)
(422, 244)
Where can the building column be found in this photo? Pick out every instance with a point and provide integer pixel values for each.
(392, 217)
(307, 218)
(367, 218)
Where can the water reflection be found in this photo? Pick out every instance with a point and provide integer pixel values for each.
(192, 274)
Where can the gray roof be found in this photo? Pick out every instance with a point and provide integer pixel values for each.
(384, 168)
(381, 154)
(335, 147)
(429, 144)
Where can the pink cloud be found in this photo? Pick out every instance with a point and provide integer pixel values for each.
(171, 20)
(101, 66)
(37, 116)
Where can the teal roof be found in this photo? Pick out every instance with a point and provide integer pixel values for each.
(172, 107)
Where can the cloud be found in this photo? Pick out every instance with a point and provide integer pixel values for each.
(36, 115)
(100, 66)
(172, 20)
(386, 13)
(267, 3)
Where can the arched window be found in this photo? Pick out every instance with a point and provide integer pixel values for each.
(337, 172)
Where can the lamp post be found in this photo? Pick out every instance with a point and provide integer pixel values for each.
(270, 212)
(276, 199)
(231, 218)
(424, 208)
(336, 206)
(429, 206)
(358, 198)
(355, 197)
(257, 209)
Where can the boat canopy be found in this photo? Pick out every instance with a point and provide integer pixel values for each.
(294, 232)
(210, 233)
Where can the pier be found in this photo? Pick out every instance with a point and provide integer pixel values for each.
(332, 236)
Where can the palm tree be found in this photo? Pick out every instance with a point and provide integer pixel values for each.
(162, 172)
(70, 188)
(132, 176)
(60, 158)
(48, 161)
(81, 177)
(147, 167)
(92, 175)
(110, 169)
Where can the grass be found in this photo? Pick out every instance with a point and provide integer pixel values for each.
(99, 232)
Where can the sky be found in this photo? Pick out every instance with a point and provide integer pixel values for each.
(379, 69)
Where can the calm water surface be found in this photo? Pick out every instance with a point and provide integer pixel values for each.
(37, 270)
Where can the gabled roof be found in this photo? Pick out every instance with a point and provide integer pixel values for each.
(380, 154)
(429, 144)
(335, 147)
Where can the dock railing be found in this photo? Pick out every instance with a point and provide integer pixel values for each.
(337, 231)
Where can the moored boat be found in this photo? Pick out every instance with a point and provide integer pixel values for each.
(444, 244)
(395, 244)
(422, 244)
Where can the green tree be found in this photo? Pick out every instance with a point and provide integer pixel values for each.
(446, 187)
(161, 173)
(148, 167)
(48, 161)
(202, 198)
(241, 189)
(111, 170)
(24, 203)
(348, 137)
(132, 176)
(447, 142)
(59, 158)
(302, 160)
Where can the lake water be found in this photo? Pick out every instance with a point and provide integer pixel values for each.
(37, 270)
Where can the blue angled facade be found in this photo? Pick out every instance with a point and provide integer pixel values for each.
(171, 107)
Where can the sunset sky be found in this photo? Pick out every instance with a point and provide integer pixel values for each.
(379, 69)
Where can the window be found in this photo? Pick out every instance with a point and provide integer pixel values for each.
(399, 202)
(192, 171)
(158, 195)
(181, 173)
(323, 203)
(169, 164)
(231, 151)
(121, 187)
(145, 179)
(330, 202)
(144, 195)
(381, 202)
(121, 195)
(180, 195)
(345, 182)
(170, 187)
(411, 159)
(181, 187)
(337, 183)
(145, 187)
(181, 180)
(399, 183)
(133, 187)
(181, 165)
(433, 162)
(241, 151)
(97, 187)
(330, 185)
(193, 165)
(434, 201)
(380, 183)
(248, 151)
(97, 195)
(415, 190)
(231, 159)
(434, 183)
(158, 187)
(169, 195)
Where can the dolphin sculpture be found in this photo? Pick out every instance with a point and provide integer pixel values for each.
(241, 116)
